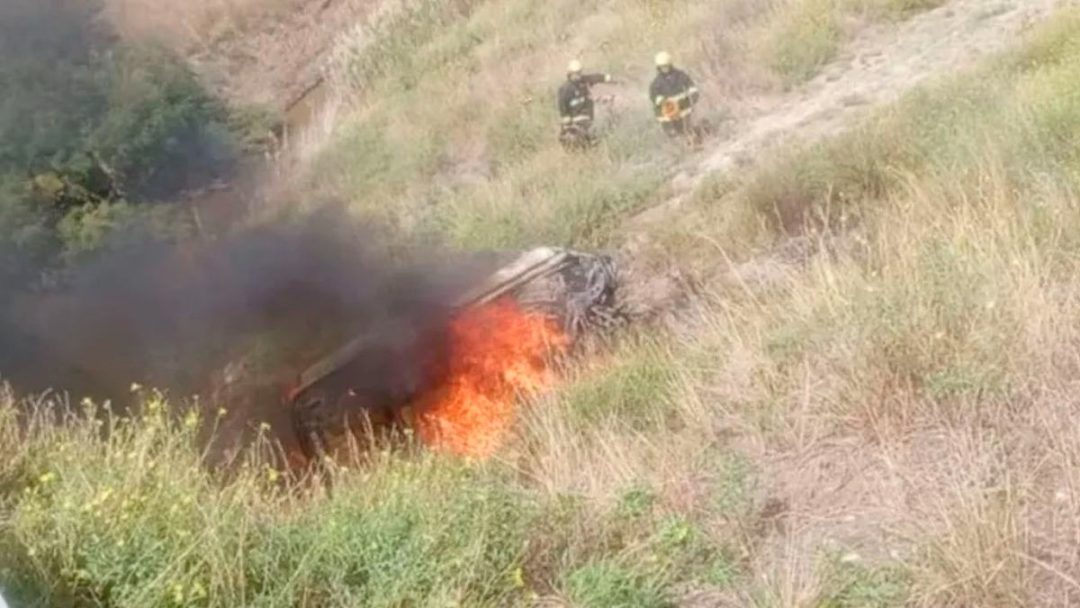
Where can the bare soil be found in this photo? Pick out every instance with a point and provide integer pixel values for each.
(250, 52)
(883, 62)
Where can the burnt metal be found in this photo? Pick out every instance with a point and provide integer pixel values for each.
(373, 376)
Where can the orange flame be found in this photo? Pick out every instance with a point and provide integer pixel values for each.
(497, 352)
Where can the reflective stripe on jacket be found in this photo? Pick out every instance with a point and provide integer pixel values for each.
(575, 97)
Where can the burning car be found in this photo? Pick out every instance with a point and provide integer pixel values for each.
(454, 379)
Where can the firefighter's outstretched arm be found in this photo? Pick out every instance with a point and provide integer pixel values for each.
(597, 78)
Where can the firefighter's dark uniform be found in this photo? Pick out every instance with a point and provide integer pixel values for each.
(673, 95)
(575, 99)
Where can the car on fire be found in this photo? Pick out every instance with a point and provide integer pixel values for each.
(368, 382)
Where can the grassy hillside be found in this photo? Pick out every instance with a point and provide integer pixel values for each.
(98, 138)
(888, 423)
(452, 122)
(261, 53)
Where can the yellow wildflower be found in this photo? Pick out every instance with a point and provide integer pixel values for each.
(519, 577)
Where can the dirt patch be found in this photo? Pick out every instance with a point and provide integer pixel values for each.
(934, 492)
(265, 53)
(282, 58)
(881, 64)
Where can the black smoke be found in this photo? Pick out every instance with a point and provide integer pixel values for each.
(53, 30)
(231, 319)
(254, 309)
(150, 314)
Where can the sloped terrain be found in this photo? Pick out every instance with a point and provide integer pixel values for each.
(264, 53)
(879, 66)
(867, 399)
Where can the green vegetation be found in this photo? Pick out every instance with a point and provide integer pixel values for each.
(609, 585)
(635, 389)
(802, 36)
(119, 119)
(920, 376)
(853, 585)
(92, 134)
(136, 520)
(481, 168)
(948, 298)
(456, 117)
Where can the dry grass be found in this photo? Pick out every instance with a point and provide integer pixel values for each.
(482, 167)
(897, 392)
(195, 25)
(802, 36)
(263, 53)
(489, 141)
(886, 422)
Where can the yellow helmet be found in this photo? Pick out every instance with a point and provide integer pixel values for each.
(574, 67)
(663, 59)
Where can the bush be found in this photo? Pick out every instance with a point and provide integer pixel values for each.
(160, 131)
(89, 133)
(802, 38)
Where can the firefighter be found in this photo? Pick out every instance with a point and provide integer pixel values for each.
(673, 95)
(576, 107)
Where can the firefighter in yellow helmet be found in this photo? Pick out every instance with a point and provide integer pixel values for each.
(673, 95)
(576, 106)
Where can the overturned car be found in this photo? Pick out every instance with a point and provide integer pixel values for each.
(369, 382)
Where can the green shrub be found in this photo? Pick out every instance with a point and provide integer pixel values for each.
(87, 231)
(110, 510)
(87, 140)
(160, 130)
(803, 37)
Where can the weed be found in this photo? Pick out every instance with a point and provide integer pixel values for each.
(801, 39)
(608, 584)
(853, 584)
(635, 392)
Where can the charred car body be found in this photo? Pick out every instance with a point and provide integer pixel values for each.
(366, 383)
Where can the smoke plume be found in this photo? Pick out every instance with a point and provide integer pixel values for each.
(252, 310)
(246, 311)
